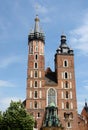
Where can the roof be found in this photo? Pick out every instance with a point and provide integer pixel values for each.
(50, 77)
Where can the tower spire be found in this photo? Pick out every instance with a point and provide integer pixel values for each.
(36, 33)
(37, 27)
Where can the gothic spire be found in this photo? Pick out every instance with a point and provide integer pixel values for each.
(37, 27)
(36, 33)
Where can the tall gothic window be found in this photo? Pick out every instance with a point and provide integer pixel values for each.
(67, 94)
(36, 74)
(51, 96)
(67, 105)
(35, 65)
(35, 94)
(66, 75)
(35, 84)
(66, 84)
(35, 104)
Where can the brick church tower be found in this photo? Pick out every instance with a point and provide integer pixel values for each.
(35, 100)
(45, 87)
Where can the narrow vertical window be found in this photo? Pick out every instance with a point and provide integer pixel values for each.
(35, 84)
(36, 57)
(67, 105)
(36, 74)
(31, 48)
(30, 104)
(40, 74)
(40, 84)
(30, 94)
(35, 65)
(65, 63)
(62, 105)
(38, 114)
(31, 74)
(68, 124)
(61, 84)
(71, 105)
(40, 94)
(66, 94)
(35, 94)
(66, 84)
(65, 75)
(70, 84)
(35, 104)
(62, 95)
(70, 95)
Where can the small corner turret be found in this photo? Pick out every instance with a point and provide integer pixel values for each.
(64, 48)
(36, 33)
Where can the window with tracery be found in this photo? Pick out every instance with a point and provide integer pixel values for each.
(51, 96)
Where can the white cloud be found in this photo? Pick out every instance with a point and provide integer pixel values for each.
(4, 83)
(79, 36)
(5, 62)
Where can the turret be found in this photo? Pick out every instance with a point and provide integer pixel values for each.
(64, 48)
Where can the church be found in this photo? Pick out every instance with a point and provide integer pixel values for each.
(51, 95)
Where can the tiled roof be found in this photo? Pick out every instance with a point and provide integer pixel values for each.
(50, 77)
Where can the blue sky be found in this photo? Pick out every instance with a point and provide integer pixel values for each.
(56, 17)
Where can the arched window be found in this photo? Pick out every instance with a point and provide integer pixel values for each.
(35, 104)
(66, 84)
(36, 57)
(67, 105)
(36, 74)
(65, 75)
(36, 65)
(31, 48)
(68, 124)
(65, 63)
(38, 114)
(66, 94)
(35, 94)
(35, 84)
(51, 96)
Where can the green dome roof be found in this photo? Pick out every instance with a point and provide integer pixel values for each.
(52, 104)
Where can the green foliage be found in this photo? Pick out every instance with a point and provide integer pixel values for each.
(16, 118)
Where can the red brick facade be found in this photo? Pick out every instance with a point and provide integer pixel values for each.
(44, 87)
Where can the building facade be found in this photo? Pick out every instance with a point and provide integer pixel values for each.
(45, 87)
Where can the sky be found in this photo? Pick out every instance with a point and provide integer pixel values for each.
(56, 17)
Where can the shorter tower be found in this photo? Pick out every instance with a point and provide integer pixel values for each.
(66, 89)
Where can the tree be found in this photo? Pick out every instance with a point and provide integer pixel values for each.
(17, 118)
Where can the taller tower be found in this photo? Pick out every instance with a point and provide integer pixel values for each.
(36, 73)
